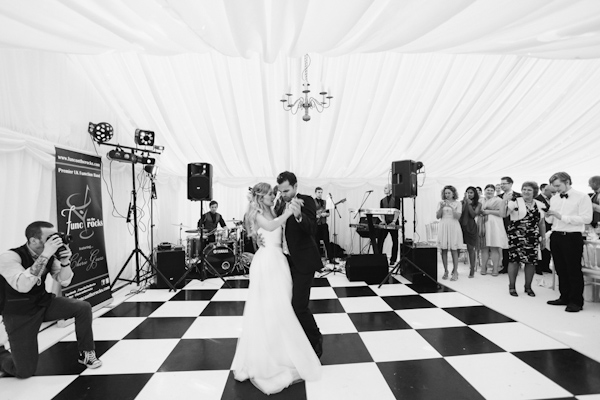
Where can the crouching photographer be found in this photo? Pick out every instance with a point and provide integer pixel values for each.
(25, 303)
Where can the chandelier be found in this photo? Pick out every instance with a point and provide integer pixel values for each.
(306, 102)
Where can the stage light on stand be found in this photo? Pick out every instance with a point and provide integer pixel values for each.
(144, 138)
(101, 132)
(120, 155)
(146, 161)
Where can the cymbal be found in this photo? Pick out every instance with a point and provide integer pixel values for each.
(193, 231)
(181, 225)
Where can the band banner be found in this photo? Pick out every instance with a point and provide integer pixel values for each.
(79, 214)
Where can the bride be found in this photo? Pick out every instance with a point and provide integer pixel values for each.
(273, 350)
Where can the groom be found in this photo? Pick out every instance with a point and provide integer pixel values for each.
(303, 253)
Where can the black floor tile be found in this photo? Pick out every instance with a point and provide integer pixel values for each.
(573, 371)
(161, 328)
(224, 308)
(102, 387)
(133, 309)
(458, 341)
(426, 379)
(61, 359)
(429, 288)
(194, 295)
(407, 302)
(235, 390)
(200, 354)
(378, 321)
(237, 284)
(477, 315)
(324, 306)
(354, 291)
(320, 282)
(344, 348)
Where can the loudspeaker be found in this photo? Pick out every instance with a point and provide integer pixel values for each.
(170, 263)
(370, 268)
(404, 178)
(425, 258)
(199, 181)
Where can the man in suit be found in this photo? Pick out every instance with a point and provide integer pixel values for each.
(508, 194)
(546, 193)
(594, 183)
(389, 201)
(302, 252)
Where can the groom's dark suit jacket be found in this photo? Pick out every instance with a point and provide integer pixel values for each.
(300, 236)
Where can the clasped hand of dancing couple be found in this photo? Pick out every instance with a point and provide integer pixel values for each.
(280, 342)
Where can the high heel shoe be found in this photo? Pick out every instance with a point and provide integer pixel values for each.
(529, 292)
(495, 271)
(513, 292)
(454, 276)
(445, 275)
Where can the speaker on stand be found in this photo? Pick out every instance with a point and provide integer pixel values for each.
(199, 181)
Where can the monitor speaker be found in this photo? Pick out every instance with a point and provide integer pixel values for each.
(199, 181)
(370, 268)
(170, 263)
(404, 178)
(425, 258)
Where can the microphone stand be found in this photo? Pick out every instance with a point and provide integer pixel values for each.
(334, 269)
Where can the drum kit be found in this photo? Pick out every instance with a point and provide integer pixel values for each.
(225, 256)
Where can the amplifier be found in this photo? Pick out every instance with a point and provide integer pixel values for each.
(425, 258)
(370, 268)
(170, 263)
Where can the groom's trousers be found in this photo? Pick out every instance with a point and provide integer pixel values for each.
(300, 299)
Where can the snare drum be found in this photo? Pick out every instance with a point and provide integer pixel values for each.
(221, 257)
(193, 247)
(221, 235)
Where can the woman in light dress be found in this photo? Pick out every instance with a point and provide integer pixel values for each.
(273, 351)
(495, 234)
(449, 232)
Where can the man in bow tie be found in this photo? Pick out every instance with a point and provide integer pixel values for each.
(568, 214)
(546, 193)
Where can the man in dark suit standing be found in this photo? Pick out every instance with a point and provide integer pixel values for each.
(594, 183)
(546, 193)
(302, 252)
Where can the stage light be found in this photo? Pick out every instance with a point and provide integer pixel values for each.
(144, 138)
(147, 161)
(418, 166)
(120, 155)
(101, 132)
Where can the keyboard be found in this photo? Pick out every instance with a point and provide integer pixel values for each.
(380, 211)
(365, 227)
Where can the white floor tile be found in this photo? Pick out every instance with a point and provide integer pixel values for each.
(450, 299)
(424, 318)
(110, 328)
(514, 336)
(340, 280)
(152, 295)
(364, 304)
(504, 376)
(36, 387)
(210, 284)
(319, 293)
(134, 357)
(215, 327)
(350, 382)
(397, 345)
(231, 295)
(392, 290)
(332, 323)
(588, 397)
(205, 385)
(190, 308)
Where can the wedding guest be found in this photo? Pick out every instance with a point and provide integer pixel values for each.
(594, 183)
(492, 226)
(507, 195)
(525, 234)
(568, 214)
(449, 232)
(470, 209)
(546, 193)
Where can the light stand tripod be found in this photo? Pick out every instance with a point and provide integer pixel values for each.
(137, 251)
(334, 269)
(404, 250)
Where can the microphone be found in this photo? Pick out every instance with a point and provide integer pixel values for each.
(369, 191)
(330, 195)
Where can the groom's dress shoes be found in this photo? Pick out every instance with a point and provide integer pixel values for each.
(557, 302)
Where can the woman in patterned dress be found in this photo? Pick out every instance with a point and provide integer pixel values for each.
(449, 232)
(525, 234)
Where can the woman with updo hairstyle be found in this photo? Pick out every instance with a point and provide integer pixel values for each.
(525, 233)
(470, 209)
(449, 232)
(491, 230)
(273, 351)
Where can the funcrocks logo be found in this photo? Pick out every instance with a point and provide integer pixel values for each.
(84, 224)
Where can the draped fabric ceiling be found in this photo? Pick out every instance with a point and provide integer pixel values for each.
(474, 89)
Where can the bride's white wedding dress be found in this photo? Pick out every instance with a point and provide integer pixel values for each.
(273, 351)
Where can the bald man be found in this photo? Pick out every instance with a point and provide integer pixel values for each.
(389, 201)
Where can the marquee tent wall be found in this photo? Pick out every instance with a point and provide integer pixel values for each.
(474, 89)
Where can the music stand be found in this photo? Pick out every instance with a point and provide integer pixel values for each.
(334, 269)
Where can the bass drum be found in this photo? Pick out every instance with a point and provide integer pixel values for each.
(221, 257)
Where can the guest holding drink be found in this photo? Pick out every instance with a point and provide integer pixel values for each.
(449, 231)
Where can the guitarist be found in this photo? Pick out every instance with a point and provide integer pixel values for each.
(322, 227)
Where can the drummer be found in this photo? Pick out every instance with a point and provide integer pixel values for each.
(211, 220)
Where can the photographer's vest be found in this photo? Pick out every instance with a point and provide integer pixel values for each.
(27, 303)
